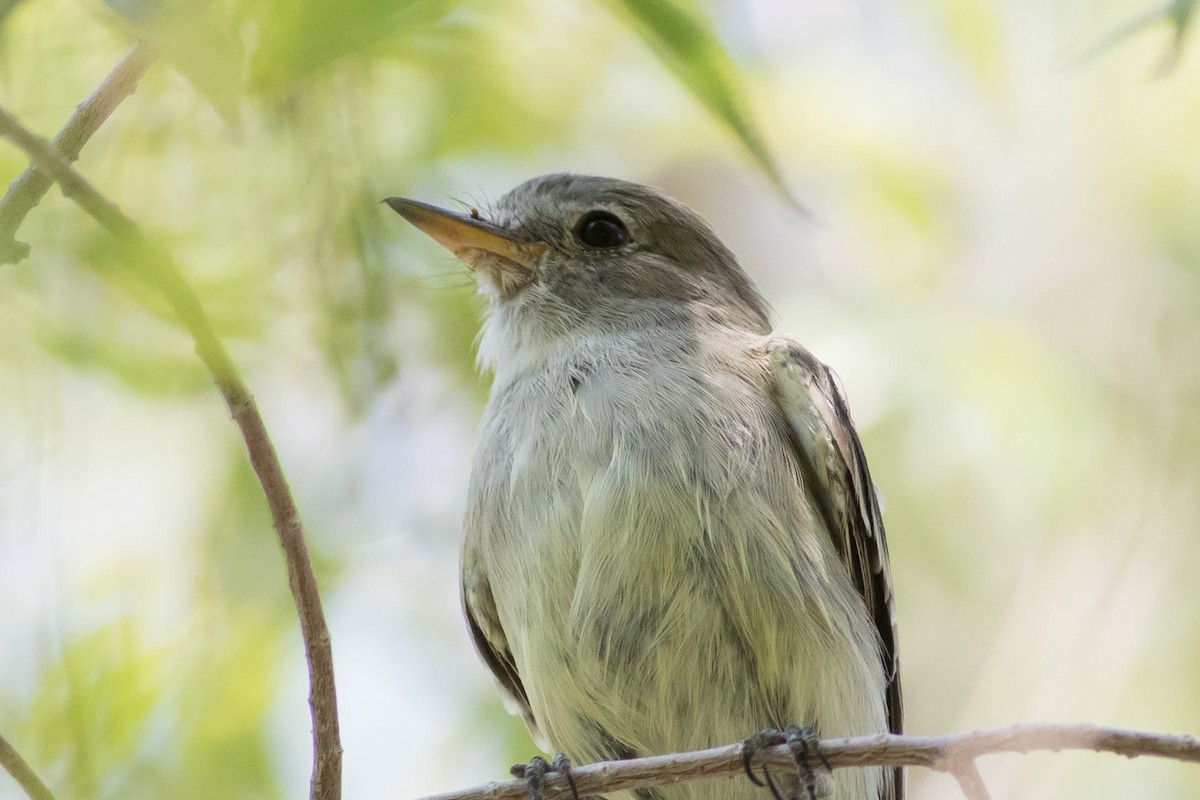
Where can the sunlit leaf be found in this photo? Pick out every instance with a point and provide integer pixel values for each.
(1178, 14)
(480, 103)
(93, 709)
(196, 38)
(222, 714)
(302, 39)
(686, 44)
(972, 28)
(7, 7)
(145, 368)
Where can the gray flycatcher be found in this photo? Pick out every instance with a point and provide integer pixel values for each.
(672, 539)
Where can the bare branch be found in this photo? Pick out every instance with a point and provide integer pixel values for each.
(970, 781)
(158, 268)
(16, 766)
(31, 185)
(944, 753)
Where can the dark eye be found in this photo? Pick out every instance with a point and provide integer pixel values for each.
(601, 229)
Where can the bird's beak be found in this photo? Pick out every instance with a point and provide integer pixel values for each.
(485, 248)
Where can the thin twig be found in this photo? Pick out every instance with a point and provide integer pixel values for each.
(944, 753)
(16, 766)
(158, 268)
(970, 781)
(31, 185)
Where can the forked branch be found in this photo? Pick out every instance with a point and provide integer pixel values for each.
(31, 185)
(158, 269)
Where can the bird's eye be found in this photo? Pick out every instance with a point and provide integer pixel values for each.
(601, 229)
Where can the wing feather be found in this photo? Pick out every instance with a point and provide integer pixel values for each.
(815, 407)
(492, 646)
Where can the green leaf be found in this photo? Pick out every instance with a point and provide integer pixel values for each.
(92, 715)
(147, 368)
(197, 39)
(299, 39)
(1178, 14)
(687, 46)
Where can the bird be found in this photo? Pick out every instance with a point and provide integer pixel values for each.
(671, 538)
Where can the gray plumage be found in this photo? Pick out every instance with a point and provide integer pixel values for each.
(672, 540)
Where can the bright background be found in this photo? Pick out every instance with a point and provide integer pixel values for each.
(1003, 264)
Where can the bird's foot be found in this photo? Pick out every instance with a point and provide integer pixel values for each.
(534, 774)
(806, 753)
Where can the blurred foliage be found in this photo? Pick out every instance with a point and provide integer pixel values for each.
(196, 39)
(686, 43)
(1177, 15)
(1007, 277)
(320, 109)
(90, 714)
(972, 28)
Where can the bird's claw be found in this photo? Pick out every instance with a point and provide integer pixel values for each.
(534, 774)
(804, 747)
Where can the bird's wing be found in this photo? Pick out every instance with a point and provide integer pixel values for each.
(492, 645)
(832, 458)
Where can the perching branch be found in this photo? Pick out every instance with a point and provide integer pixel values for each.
(954, 754)
(158, 269)
(16, 766)
(31, 185)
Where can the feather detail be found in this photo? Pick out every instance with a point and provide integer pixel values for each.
(812, 402)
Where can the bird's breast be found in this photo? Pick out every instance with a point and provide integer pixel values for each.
(662, 433)
(623, 484)
(640, 518)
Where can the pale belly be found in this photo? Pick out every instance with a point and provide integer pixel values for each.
(662, 580)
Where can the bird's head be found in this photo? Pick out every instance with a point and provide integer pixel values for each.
(564, 252)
